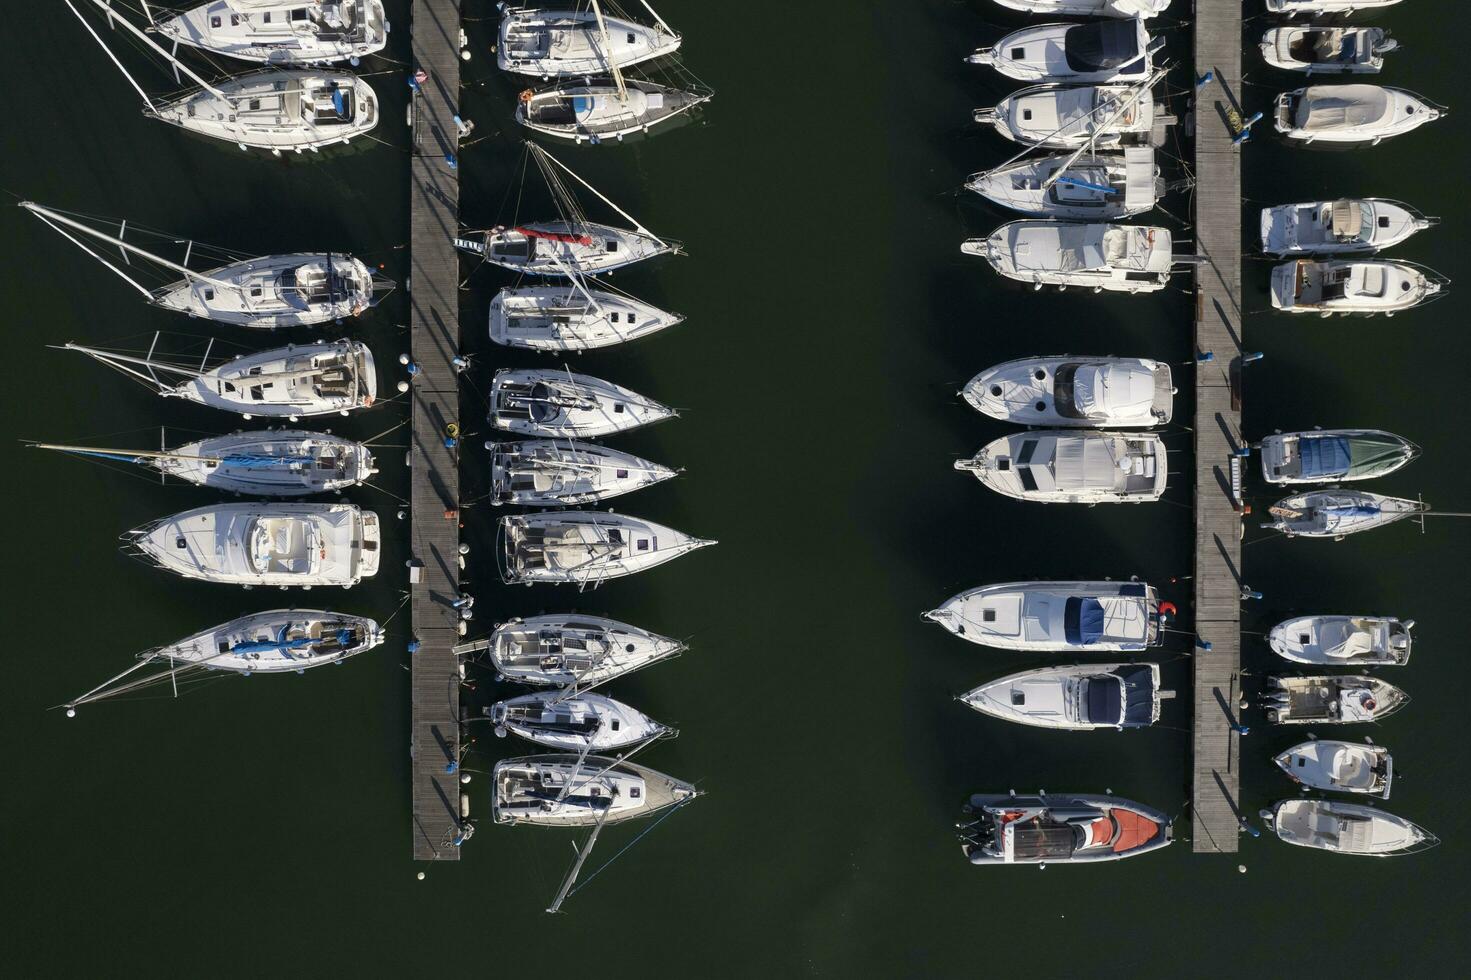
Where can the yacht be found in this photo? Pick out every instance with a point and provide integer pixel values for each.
(571, 318)
(1090, 8)
(1068, 466)
(1340, 227)
(574, 651)
(1329, 8)
(556, 43)
(1345, 767)
(598, 109)
(264, 544)
(548, 473)
(562, 247)
(1347, 828)
(574, 722)
(560, 403)
(1100, 51)
(1083, 617)
(281, 32)
(1117, 258)
(1077, 697)
(1068, 117)
(1050, 828)
(1333, 455)
(1105, 186)
(1348, 286)
(573, 791)
(1339, 513)
(1079, 392)
(1343, 641)
(585, 548)
(274, 642)
(1327, 49)
(1330, 699)
(1351, 113)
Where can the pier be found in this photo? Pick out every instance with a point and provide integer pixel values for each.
(1215, 793)
(434, 324)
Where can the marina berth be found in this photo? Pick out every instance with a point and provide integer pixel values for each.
(1347, 828)
(1082, 617)
(1089, 8)
(558, 43)
(264, 544)
(562, 404)
(574, 722)
(1331, 8)
(1077, 697)
(1343, 641)
(1100, 51)
(1339, 227)
(275, 642)
(1104, 186)
(1351, 113)
(1333, 455)
(575, 651)
(577, 791)
(1067, 828)
(1343, 767)
(1067, 117)
(1338, 513)
(1353, 286)
(1325, 49)
(599, 109)
(547, 472)
(585, 548)
(1073, 467)
(1082, 392)
(572, 318)
(281, 32)
(1116, 258)
(1330, 699)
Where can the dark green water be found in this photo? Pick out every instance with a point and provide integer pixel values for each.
(262, 825)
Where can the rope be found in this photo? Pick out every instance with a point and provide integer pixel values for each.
(588, 880)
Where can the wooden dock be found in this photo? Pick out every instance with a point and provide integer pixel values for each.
(434, 324)
(1218, 585)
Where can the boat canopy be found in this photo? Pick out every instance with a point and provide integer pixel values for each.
(1139, 180)
(1344, 107)
(1101, 389)
(1101, 45)
(1083, 620)
(1355, 456)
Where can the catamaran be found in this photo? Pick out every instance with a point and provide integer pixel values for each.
(559, 403)
(1333, 455)
(1081, 392)
(273, 463)
(549, 473)
(1330, 699)
(1351, 113)
(575, 651)
(264, 544)
(1343, 641)
(1346, 828)
(1100, 51)
(287, 382)
(1354, 286)
(297, 289)
(595, 110)
(1068, 466)
(572, 317)
(1087, 617)
(574, 722)
(554, 43)
(281, 32)
(1068, 828)
(1339, 227)
(1076, 697)
(585, 548)
(1337, 766)
(1117, 258)
(1069, 116)
(1338, 513)
(1105, 186)
(1324, 49)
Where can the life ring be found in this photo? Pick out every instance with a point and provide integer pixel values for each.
(1167, 609)
(526, 95)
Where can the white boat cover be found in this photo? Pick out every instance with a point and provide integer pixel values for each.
(1111, 388)
(1328, 108)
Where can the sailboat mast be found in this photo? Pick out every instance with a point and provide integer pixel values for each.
(147, 101)
(597, 10)
(113, 16)
(640, 228)
(49, 216)
(655, 14)
(582, 854)
(1098, 131)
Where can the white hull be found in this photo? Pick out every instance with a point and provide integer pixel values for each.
(278, 110)
(276, 642)
(1346, 828)
(569, 43)
(561, 404)
(1345, 287)
(1073, 467)
(282, 32)
(1081, 617)
(1076, 697)
(1331, 8)
(560, 791)
(1333, 456)
(279, 463)
(1065, 117)
(274, 291)
(1327, 49)
(1330, 699)
(551, 248)
(1077, 392)
(289, 382)
(574, 723)
(1349, 114)
(1343, 227)
(1124, 9)
(1342, 767)
(1104, 258)
(594, 111)
(552, 473)
(1101, 51)
(575, 650)
(1338, 513)
(1103, 187)
(585, 548)
(1343, 641)
(563, 318)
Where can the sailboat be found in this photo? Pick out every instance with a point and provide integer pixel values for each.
(276, 109)
(575, 651)
(560, 43)
(572, 317)
(273, 463)
(552, 403)
(1105, 185)
(585, 548)
(1068, 116)
(548, 472)
(569, 791)
(281, 32)
(1338, 513)
(297, 289)
(597, 109)
(573, 722)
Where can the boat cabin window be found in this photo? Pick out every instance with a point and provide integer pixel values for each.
(234, 20)
(634, 792)
(643, 544)
(214, 22)
(621, 474)
(209, 294)
(1018, 696)
(255, 290)
(988, 615)
(1025, 456)
(181, 543)
(1018, 54)
(1027, 115)
(633, 318)
(618, 408)
(611, 245)
(257, 393)
(255, 103)
(617, 724)
(630, 37)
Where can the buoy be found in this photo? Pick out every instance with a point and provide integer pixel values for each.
(464, 549)
(403, 386)
(1241, 868)
(71, 712)
(464, 778)
(403, 359)
(500, 731)
(420, 876)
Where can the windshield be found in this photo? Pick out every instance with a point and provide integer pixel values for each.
(1102, 45)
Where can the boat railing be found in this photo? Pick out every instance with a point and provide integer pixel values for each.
(1421, 218)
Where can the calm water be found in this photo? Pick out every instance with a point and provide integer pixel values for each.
(263, 824)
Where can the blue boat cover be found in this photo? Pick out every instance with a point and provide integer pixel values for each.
(254, 461)
(1105, 703)
(1324, 456)
(1353, 510)
(339, 101)
(581, 105)
(1083, 620)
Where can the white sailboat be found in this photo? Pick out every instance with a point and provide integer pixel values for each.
(1071, 466)
(1103, 186)
(1098, 51)
(1339, 227)
(1330, 8)
(574, 791)
(281, 32)
(1351, 113)
(1338, 513)
(585, 548)
(575, 722)
(1102, 257)
(573, 317)
(549, 473)
(575, 651)
(581, 41)
(559, 403)
(1066, 117)
(1328, 287)
(590, 111)
(1082, 392)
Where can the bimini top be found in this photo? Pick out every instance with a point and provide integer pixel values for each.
(1103, 45)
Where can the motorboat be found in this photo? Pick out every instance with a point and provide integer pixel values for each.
(1105, 186)
(1067, 117)
(599, 109)
(1083, 617)
(1347, 828)
(1327, 49)
(1339, 513)
(264, 544)
(574, 651)
(1344, 226)
(273, 463)
(281, 32)
(572, 318)
(1353, 286)
(548, 473)
(574, 722)
(585, 548)
(1116, 258)
(573, 791)
(1099, 51)
(286, 382)
(1351, 113)
(1331, 8)
(1089, 8)
(1051, 828)
(1080, 392)
(1333, 455)
(562, 247)
(1343, 641)
(559, 403)
(274, 642)
(1344, 767)
(555, 43)
(1077, 697)
(1330, 699)
(1069, 466)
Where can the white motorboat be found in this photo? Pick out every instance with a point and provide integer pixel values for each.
(553, 43)
(1326, 49)
(1089, 8)
(1338, 513)
(287, 382)
(585, 548)
(1339, 227)
(559, 403)
(574, 722)
(552, 248)
(264, 544)
(1330, 699)
(1116, 258)
(546, 472)
(1333, 455)
(273, 463)
(1051, 828)
(1077, 697)
(562, 318)
(1105, 186)
(1343, 287)
(281, 32)
(599, 109)
(1100, 51)
(1082, 392)
(1345, 767)
(1067, 117)
(575, 651)
(1083, 617)
(275, 642)
(1346, 828)
(1351, 113)
(1331, 8)
(1069, 466)
(1343, 641)
(572, 791)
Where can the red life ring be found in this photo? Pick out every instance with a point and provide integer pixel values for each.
(1167, 609)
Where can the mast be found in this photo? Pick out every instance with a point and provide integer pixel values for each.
(49, 216)
(148, 102)
(655, 14)
(113, 16)
(597, 10)
(638, 227)
(121, 362)
(582, 854)
(1093, 137)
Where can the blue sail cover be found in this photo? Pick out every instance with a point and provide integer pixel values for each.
(259, 461)
(1083, 620)
(1324, 456)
